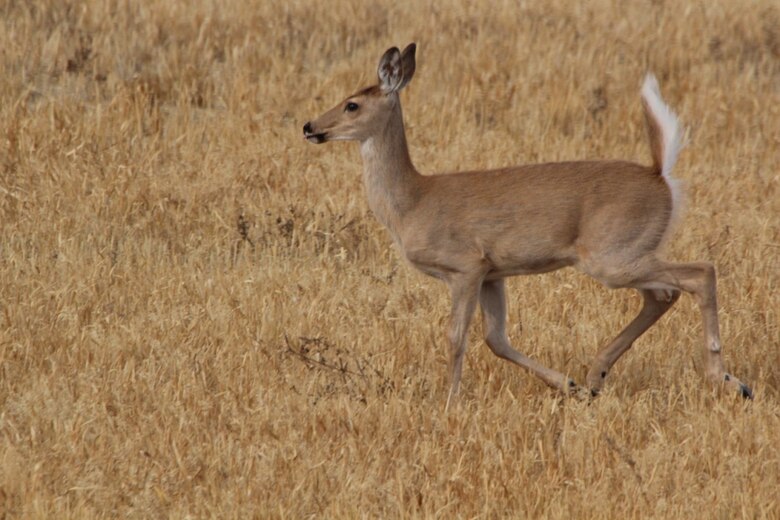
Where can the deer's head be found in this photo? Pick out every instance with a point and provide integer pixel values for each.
(366, 112)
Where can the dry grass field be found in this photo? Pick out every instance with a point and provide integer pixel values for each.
(199, 316)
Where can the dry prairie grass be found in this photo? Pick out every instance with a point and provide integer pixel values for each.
(201, 318)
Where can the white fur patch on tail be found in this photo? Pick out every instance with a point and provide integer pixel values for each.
(667, 120)
(672, 135)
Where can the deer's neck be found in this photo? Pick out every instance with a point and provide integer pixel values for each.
(391, 180)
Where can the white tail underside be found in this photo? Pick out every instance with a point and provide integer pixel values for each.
(672, 135)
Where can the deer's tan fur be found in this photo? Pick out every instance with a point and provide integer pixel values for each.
(472, 229)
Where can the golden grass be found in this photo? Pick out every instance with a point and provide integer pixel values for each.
(200, 317)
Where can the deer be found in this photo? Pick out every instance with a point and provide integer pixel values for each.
(472, 229)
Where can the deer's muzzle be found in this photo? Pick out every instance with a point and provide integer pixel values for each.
(313, 137)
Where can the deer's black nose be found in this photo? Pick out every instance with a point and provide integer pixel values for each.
(307, 128)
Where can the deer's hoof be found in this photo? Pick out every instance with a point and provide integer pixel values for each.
(745, 391)
(575, 391)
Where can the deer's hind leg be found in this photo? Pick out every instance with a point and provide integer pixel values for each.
(698, 279)
(655, 277)
(655, 304)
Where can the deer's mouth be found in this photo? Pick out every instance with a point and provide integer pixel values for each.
(313, 137)
(316, 138)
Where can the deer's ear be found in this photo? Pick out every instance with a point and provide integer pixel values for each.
(390, 71)
(408, 64)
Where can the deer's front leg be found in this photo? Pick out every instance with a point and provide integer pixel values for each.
(465, 294)
(493, 302)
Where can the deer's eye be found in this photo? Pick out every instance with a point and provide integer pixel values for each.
(351, 107)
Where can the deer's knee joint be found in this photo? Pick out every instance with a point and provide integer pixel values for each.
(457, 341)
(709, 275)
(707, 290)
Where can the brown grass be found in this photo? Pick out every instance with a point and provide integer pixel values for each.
(199, 316)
